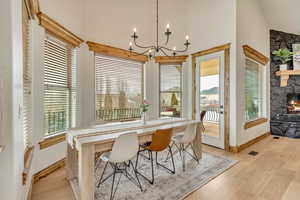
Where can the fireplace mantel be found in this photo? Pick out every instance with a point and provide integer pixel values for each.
(285, 75)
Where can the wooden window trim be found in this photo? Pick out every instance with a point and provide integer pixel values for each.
(28, 155)
(255, 55)
(33, 7)
(168, 60)
(212, 50)
(52, 140)
(58, 30)
(255, 122)
(115, 52)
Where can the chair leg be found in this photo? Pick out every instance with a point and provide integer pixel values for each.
(137, 178)
(152, 170)
(183, 156)
(113, 183)
(167, 158)
(137, 158)
(100, 181)
(169, 170)
(195, 156)
(170, 149)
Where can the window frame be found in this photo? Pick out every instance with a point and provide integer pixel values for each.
(103, 122)
(70, 50)
(160, 91)
(262, 110)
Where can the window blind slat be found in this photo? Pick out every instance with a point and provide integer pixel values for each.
(118, 88)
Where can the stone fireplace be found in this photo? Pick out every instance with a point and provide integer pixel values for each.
(285, 101)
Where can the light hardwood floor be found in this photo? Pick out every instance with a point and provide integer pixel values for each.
(211, 129)
(274, 174)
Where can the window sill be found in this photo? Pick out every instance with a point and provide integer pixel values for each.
(50, 141)
(256, 122)
(28, 155)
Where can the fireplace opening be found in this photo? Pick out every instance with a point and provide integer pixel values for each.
(293, 103)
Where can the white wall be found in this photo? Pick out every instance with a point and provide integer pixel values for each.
(253, 30)
(11, 136)
(69, 13)
(212, 23)
(282, 15)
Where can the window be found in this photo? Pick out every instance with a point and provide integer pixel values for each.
(170, 90)
(253, 90)
(119, 89)
(27, 80)
(59, 86)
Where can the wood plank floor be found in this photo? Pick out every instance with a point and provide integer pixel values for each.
(274, 174)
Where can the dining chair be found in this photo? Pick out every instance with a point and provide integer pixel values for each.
(183, 141)
(161, 140)
(202, 115)
(124, 149)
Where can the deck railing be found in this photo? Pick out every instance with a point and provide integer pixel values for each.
(56, 121)
(118, 114)
(212, 113)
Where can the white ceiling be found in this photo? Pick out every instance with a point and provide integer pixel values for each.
(283, 15)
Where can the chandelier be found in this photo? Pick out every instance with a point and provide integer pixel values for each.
(157, 48)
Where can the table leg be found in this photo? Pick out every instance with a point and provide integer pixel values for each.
(71, 163)
(86, 173)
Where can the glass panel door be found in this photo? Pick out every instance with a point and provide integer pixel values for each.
(210, 97)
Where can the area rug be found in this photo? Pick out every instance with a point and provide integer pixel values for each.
(166, 186)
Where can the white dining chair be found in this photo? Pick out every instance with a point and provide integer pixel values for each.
(124, 149)
(183, 141)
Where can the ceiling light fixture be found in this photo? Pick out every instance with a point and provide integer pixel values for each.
(154, 50)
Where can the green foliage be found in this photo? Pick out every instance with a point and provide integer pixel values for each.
(144, 106)
(284, 55)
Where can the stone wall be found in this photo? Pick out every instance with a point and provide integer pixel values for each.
(281, 122)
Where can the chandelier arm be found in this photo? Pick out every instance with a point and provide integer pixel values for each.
(142, 47)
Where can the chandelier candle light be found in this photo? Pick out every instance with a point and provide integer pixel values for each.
(155, 49)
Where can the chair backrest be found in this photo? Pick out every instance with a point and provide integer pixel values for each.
(125, 148)
(161, 140)
(189, 133)
(202, 115)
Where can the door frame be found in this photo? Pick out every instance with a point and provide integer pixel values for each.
(226, 49)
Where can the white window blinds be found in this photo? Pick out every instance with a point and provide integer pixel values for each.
(170, 90)
(119, 88)
(27, 81)
(59, 86)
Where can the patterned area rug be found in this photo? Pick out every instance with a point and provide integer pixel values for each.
(166, 186)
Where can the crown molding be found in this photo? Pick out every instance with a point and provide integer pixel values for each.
(255, 55)
(58, 30)
(171, 59)
(116, 52)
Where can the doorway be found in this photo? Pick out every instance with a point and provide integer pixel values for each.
(211, 79)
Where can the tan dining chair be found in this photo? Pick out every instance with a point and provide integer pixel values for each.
(161, 140)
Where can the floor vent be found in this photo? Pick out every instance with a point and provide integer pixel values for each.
(276, 138)
(253, 153)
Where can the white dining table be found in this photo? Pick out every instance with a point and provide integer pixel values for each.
(83, 144)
